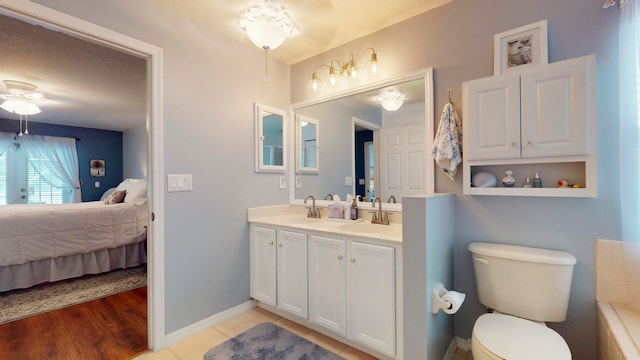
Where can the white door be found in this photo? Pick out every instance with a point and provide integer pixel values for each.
(263, 264)
(372, 306)
(402, 161)
(555, 109)
(327, 283)
(292, 272)
(491, 118)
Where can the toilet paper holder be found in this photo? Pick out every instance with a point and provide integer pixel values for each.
(445, 300)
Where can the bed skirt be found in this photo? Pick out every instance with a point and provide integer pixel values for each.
(65, 267)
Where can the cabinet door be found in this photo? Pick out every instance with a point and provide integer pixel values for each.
(327, 283)
(491, 120)
(263, 264)
(556, 109)
(372, 305)
(292, 272)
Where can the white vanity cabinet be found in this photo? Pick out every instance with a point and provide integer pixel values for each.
(542, 117)
(279, 269)
(352, 290)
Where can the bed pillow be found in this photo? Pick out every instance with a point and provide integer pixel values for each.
(107, 193)
(116, 197)
(136, 190)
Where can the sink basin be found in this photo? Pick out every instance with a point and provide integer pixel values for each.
(368, 228)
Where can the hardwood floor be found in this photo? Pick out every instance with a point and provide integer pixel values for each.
(114, 327)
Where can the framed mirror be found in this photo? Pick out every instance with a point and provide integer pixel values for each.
(270, 129)
(371, 151)
(307, 145)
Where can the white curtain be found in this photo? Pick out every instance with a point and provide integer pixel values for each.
(5, 141)
(629, 58)
(61, 162)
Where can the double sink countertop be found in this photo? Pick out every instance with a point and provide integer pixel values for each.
(294, 217)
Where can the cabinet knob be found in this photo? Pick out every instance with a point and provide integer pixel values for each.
(353, 260)
(513, 144)
(280, 245)
(340, 257)
(270, 242)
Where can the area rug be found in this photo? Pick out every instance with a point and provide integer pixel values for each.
(267, 341)
(18, 304)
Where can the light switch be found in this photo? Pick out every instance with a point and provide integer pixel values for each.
(298, 182)
(348, 180)
(283, 182)
(179, 182)
(97, 184)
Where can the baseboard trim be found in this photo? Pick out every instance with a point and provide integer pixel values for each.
(451, 351)
(201, 325)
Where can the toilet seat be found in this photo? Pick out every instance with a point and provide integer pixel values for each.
(500, 336)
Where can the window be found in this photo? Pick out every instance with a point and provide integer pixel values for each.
(38, 169)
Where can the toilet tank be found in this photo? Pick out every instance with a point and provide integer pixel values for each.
(527, 282)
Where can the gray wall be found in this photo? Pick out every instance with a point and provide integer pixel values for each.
(457, 40)
(210, 85)
(134, 149)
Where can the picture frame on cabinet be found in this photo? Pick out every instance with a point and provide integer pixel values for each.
(521, 47)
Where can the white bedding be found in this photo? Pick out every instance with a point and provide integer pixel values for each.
(34, 232)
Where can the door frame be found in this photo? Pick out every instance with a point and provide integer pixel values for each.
(55, 20)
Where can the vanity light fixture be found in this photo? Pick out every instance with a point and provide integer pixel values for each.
(349, 68)
(267, 26)
(391, 99)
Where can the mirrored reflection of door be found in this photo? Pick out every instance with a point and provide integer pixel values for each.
(369, 170)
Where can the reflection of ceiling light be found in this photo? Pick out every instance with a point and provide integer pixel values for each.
(267, 26)
(21, 97)
(392, 100)
(303, 123)
(337, 69)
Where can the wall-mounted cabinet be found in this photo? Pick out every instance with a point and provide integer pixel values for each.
(542, 119)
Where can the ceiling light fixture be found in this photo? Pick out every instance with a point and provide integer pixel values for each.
(349, 68)
(21, 100)
(267, 26)
(392, 100)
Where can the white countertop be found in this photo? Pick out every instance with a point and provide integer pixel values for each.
(363, 228)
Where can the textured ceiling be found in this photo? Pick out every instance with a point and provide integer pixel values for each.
(93, 86)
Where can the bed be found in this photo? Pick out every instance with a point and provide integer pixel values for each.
(45, 243)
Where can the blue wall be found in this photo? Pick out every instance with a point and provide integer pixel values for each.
(361, 138)
(92, 144)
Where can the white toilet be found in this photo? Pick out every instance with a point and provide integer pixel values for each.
(525, 287)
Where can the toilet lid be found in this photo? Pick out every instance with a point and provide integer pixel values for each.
(513, 338)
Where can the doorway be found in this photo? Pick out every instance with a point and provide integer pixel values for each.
(51, 19)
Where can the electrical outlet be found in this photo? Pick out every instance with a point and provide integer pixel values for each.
(283, 182)
(348, 180)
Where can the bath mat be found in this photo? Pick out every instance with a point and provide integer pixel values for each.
(267, 341)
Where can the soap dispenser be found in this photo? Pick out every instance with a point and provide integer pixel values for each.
(354, 209)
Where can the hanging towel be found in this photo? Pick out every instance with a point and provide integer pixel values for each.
(447, 145)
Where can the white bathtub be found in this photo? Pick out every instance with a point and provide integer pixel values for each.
(618, 332)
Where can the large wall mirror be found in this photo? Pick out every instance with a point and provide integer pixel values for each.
(367, 150)
(271, 138)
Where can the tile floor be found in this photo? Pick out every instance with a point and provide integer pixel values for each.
(194, 347)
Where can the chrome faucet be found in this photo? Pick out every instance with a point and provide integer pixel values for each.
(328, 197)
(378, 217)
(313, 211)
(392, 198)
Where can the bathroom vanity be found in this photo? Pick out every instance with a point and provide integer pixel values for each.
(340, 278)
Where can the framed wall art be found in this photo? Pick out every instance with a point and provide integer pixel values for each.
(521, 47)
(97, 168)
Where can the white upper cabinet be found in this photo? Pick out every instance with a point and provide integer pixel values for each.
(544, 111)
(556, 109)
(540, 118)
